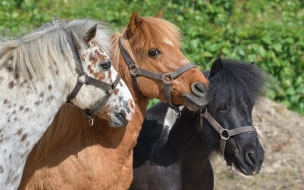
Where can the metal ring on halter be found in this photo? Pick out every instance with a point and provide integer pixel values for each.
(91, 121)
(222, 136)
(91, 118)
(79, 79)
(110, 91)
(169, 77)
(132, 72)
(203, 110)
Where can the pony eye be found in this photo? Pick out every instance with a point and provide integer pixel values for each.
(106, 65)
(154, 53)
(223, 108)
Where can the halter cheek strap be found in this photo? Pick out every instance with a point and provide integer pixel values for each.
(83, 78)
(224, 133)
(167, 78)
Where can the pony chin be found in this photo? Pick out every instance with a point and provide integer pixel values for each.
(247, 165)
(193, 102)
(244, 169)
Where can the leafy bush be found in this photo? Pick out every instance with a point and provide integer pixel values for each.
(270, 34)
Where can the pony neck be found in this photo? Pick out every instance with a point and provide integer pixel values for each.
(188, 127)
(29, 109)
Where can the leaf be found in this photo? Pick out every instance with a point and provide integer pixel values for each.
(267, 40)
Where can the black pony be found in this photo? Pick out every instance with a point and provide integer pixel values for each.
(173, 153)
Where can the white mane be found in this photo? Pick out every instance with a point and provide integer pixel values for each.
(46, 48)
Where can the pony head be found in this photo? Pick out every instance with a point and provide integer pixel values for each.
(111, 94)
(160, 68)
(234, 90)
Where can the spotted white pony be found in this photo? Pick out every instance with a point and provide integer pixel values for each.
(59, 62)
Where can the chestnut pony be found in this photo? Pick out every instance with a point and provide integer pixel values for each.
(101, 157)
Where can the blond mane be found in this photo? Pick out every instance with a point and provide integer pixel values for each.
(153, 31)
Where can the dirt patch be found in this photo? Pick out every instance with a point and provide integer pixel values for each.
(281, 133)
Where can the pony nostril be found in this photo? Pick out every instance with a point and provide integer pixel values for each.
(129, 110)
(132, 105)
(198, 89)
(251, 159)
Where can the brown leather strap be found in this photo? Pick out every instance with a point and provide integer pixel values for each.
(223, 146)
(241, 130)
(172, 76)
(74, 48)
(167, 78)
(212, 121)
(182, 69)
(79, 68)
(83, 78)
(130, 64)
(109, 90)
(224, 133)
(77, 86)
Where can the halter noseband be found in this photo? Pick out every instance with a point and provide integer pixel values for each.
(167, 78)
(83, 78)
(224, 133)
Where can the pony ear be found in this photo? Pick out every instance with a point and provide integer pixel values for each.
(160, 14)
(134, 23)
(55, 19)
(217, 66)
(90, 34)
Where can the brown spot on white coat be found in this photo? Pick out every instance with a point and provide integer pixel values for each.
(11, 85)
(19, 132)
(23, 137)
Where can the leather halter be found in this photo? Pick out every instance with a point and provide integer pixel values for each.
(167, 78)
(83, 78)
(224, 133)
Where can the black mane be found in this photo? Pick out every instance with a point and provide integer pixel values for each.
(173, 153)
(237, 80)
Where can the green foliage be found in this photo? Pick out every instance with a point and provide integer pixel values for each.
(270, 34)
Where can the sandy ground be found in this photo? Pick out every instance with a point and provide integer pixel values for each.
(281, 133)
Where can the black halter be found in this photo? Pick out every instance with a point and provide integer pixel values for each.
(167, 78)
(224, 133)
(83, 78)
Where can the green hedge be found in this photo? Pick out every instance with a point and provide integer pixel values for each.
(270, 33)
